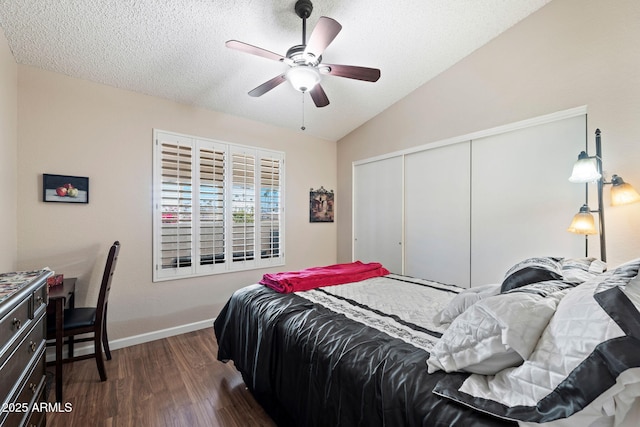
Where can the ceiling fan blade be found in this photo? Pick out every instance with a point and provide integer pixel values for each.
(319, 96)
(267, 86)
(351, 72)
(323, 34)
(247, 48)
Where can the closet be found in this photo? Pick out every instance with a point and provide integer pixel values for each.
(463, 211)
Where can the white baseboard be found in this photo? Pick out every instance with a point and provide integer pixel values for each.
(87, 348)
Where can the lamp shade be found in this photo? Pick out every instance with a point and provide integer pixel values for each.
(585, 169)
(583, 222)
(303, 77)
(622, 193)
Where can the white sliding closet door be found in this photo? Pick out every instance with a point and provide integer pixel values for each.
(437, 214)
(377, 213)
(521, 199)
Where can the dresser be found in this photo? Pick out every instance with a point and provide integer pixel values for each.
(23, 331)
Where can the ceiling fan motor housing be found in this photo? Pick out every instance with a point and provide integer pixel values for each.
(297, 55)
(304, 8)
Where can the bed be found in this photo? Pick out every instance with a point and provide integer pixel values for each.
(556, 343)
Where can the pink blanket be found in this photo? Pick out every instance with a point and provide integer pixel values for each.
(311, 278)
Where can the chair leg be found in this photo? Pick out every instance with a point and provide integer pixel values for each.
(99, 360)
(59, 309)
(72, 305)
(105, 340)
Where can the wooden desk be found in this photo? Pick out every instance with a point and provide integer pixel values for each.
(61, 296)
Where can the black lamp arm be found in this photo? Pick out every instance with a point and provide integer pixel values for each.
(603, 244)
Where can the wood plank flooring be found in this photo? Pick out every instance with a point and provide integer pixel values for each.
(172, 382)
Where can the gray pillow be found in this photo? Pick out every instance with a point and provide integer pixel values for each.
(532, 270)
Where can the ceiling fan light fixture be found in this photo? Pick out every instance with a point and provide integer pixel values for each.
(303, 77)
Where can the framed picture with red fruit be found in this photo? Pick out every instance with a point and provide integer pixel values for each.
(65, 188)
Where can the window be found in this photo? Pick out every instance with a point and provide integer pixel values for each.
(218, 207)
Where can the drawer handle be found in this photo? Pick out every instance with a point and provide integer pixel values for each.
(33, 387)
(33, 346)
(17, 323)
(39, 300)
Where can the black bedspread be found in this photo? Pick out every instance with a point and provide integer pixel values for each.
(308, 366)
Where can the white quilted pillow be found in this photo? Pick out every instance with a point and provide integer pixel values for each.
(465, 299)
(494, 333)
(579, 270)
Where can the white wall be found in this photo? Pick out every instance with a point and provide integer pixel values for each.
(8, 157)
(569, 53)
(74, 127)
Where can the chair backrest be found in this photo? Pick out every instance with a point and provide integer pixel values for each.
(105, 285)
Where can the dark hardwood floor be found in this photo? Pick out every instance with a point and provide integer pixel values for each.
(175, 381)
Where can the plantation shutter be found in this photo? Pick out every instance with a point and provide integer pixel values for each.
(176, 182)
(211, 205)
(270, 206)
(243, 189)
(217, 207)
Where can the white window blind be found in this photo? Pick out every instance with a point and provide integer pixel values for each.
(270, 206)
(212, 206)
(217, 207)
(243, 201)
(176, 229)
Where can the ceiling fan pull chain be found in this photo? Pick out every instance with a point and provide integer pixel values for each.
(302, 127)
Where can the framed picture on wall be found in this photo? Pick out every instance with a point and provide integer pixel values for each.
(321, 205)
(65, 188)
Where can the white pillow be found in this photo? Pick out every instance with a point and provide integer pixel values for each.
(579, 270)
(463, 301)
(494, 333)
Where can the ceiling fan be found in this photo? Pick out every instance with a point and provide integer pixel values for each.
(305, 60)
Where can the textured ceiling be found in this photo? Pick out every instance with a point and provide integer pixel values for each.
(175, 49)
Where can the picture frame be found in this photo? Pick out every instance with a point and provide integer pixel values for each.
(321, 205)
(65, 188)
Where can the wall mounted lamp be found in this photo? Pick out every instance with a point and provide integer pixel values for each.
(588, 169)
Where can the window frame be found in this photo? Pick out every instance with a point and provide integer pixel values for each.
(239, 258)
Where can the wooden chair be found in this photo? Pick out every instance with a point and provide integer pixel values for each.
(90, 320)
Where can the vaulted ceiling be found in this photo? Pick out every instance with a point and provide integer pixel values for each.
(175, 49)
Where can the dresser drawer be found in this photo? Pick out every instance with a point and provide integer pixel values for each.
(37, 418)
(25, 354)
(40, 300)
(31, 391)
(13, 326)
